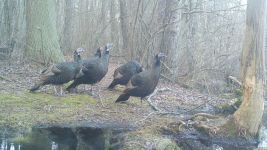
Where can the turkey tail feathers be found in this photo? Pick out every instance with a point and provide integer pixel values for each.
(36, 87)
(112, 85)
(123, 97)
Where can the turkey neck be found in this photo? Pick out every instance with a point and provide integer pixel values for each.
(105, 58)
(156, 68)
(77, 58)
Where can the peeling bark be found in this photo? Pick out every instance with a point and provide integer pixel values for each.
(248, 116)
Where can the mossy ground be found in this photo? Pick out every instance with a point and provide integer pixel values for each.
(27, 109)
(24, 109)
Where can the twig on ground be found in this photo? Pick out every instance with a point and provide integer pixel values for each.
(166, 89)
(4, 78)
(235, 80)
(165, 77)
(154, 107)
(12, 80)
(190, 110)
(205, 115)
(160, 112)
(145, 118)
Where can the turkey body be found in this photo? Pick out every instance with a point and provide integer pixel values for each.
(60, 73)
(68, 71)
(143, 83)
(123, 74)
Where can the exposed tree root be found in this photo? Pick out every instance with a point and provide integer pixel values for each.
(206, 128)
(154, 107)
(209, 116)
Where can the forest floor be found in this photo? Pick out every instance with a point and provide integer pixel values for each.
(21, 109)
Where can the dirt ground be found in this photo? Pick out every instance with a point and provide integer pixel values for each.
(21, 108)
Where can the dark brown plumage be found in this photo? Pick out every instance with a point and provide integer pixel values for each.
(123, 74)
(61, 73)
(143, 83)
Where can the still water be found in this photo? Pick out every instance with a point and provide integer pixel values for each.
(263, 129)
(56, 138)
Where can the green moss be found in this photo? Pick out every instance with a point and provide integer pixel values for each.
(22, 110)
(238, 92)
(229, 108)
(229, 129)
(238, 102)
(25, 110)
(166, 144)
(150, 135)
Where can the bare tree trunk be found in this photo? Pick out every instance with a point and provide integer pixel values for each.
(68, 26)
(60, 21)
(169, 37)
(124, 26)
(249, 115)
(189, 38)
(9, 14)
(114, 24)
(83, 8)
(102, 26)
(42, 38)
(19, 30)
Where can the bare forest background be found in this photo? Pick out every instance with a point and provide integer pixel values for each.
(202, 38)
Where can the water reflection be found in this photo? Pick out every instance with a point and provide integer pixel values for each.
(12, 147)
(4, 144)
(56, 138)
(54, 146)
(263, 129)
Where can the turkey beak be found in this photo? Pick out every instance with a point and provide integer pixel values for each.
(142, 69)
(162, 55)
(109, 46)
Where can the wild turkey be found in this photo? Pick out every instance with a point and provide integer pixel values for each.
(123, 74)
(143, 83)
(96, 55)
(94, 69)
(61, 73)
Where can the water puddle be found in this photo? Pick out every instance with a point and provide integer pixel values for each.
(196, 140)
(263, 129)
(56, 138)
(263, 137)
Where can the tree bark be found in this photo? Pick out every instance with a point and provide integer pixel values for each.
(124, 26)
(249, 115)
(169, 38)
(68, 26)
(9, 19)
(114, 36)
(42, 39)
